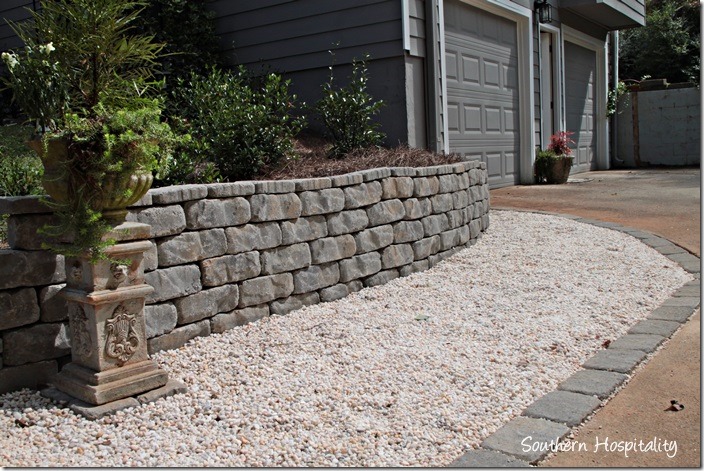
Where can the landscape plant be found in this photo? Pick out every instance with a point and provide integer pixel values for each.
(552, 164)
(238, 122)
(347, 112)
(85, 81)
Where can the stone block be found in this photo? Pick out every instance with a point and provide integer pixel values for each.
(303, 229)
(315, 277)
(425, 186)
(645, 342)
(275, 207)
(460, 199)
(35, 268)
(23, 231)
(164, 220)
(442, 202)
(347, 222)
(693, 288)
(435, 224)
(448, 183)
(274, 186)
(151, 257)
(457, 218)
(285, 259)
(206, 214)
(22, 205)
(178, 194)
(374, 174)
(487, 459)
(178, 337)
(36, 343)
(386, 212)
(227, 190)
(381, 278)
(52, 306)
(229, 320)
(415, 267)
(160, 319)
(265, 288)
(174, 282)
(191, 247)
(427, 171)
(475, 228)
(417, 208)
(672, 313)
(464, 234)
(333, 293)
(684, 301)
(364, 194)
(374, 238)
(396, 256)
(329, 249)
(230, 269)
(403, 171)
(206, 303)
(18, 307)
(397, 187)
(360, 266)
(463, 181)
(282, 307)
(564, 407)
(449, 239)
(620, 361)
(346, 180)
(408, 231)
(656, 327)
(593, 383)
(308, 184)
(354, 286)
(32, 376)
(475, 194)
(327, 201)
(424, 248)
(537, 434)
(253, 237)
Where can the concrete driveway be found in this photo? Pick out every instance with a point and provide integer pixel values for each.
(665, 202)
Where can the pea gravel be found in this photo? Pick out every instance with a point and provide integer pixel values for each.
(411, 373)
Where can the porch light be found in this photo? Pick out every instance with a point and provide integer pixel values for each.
(543, 10)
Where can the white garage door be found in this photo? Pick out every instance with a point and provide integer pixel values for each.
(580, 79)
(482, 89)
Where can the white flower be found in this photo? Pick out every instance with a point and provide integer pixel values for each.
(47, 48)
(10, 59)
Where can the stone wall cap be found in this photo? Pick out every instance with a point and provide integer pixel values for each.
(403, 172)
(227, 190)
(178, 193)
(22, 205)
(309, 184)
(274, 186)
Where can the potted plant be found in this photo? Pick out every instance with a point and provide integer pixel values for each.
(553, 165)
(86, 82)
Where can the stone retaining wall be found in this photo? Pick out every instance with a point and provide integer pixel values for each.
(227, 254)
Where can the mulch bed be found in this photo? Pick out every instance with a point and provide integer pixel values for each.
(312, 160)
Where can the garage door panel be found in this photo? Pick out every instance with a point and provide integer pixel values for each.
(580, 76)
(485, 87)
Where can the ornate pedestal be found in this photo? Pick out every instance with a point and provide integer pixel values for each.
(106, 317)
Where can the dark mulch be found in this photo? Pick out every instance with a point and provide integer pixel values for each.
(312, 160)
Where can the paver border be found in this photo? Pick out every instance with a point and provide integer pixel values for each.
(621, 356)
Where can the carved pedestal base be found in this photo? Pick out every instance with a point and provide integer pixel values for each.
(106, 318)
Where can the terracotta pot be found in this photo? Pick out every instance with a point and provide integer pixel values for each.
(560, 171)
(118, 193)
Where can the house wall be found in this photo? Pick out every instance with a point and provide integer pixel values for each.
(295, 38)
(14, 11)
(227, 254)
(666, 131)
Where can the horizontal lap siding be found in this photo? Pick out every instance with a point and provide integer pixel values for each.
(14, 11)
(416, 24)
(297, 35)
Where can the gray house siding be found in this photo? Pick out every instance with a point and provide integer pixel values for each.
(14, 11)
(295, 38)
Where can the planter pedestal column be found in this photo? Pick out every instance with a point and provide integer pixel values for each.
(105, 301)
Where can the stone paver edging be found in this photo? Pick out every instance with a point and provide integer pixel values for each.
(550, 418)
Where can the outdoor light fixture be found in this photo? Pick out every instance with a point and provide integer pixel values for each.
(543, 10)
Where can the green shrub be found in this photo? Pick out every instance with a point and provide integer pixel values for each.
(347, 112)
(20, 168)
(238, 123)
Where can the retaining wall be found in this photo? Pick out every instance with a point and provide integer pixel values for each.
(227, 254)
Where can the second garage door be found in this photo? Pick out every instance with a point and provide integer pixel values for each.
(580, 75)
(481, 56)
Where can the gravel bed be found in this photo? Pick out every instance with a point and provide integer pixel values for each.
(412, 373)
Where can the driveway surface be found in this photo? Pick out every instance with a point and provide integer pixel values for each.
(665, 202)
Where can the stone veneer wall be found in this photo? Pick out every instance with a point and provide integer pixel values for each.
(227, 254)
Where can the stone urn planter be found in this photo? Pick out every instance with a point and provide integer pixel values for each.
(559, 172)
